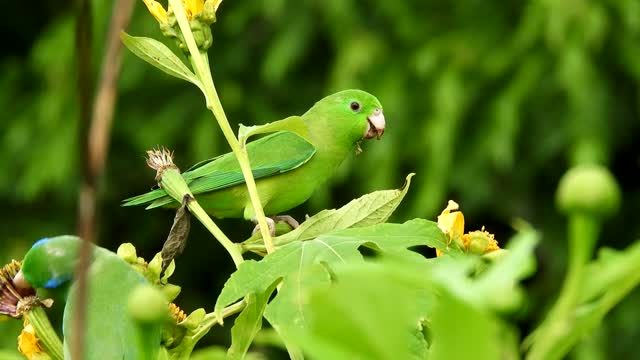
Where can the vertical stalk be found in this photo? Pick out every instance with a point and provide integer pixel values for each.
(85, 204)
(45, 333)
(200, 62)
(583, 232)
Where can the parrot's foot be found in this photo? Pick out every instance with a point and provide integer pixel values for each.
(287, 220)
(271, 222)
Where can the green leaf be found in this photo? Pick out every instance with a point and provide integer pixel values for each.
(462, 330)
(373, 311)
(609, 279)
(339, 246)
(370, 209)
(159, 55)
(611, 269)
(248, 323)
(219, 353)
(498, 285)
(11, 355)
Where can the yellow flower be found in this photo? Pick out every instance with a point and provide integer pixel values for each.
(28, 342)
(193, 8)
(156, 9)
(451, 222)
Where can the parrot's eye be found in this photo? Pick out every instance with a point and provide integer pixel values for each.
(355, 106)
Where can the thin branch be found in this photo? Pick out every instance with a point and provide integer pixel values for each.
(83, 54)
(95, 140)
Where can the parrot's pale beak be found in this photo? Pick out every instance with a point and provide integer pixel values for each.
(375, 125)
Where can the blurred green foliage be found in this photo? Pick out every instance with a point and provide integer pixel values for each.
(487, 101)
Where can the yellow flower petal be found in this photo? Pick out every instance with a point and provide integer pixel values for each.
(28, 342)
(193, 7)
(451, 221)
(156, 9)
(215, 3)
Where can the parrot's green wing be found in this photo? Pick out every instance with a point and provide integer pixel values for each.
(273, 154)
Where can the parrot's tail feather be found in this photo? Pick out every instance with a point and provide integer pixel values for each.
(160, 202)
(145, 198)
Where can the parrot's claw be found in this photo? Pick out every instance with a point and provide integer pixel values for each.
(287, 220)
(271, 222)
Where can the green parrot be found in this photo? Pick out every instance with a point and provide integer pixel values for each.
(288, 165)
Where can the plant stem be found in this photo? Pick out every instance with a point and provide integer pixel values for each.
(232, 248)
(583, 232)
(45, 333)
(200, 63)
(175, 186)
(211, 319)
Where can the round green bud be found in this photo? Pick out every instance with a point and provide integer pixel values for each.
(478, 242)
(127, 252)
(148, 305)
(588, 189)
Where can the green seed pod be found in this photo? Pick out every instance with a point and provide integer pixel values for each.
(51, 261)
(588, 189)
(148, 305)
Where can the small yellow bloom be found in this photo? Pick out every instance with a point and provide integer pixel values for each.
(451, 222)
(156, 9)
(193, 8)
(28, 343)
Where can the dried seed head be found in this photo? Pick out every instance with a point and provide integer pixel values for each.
(160, 160)
(12, 296)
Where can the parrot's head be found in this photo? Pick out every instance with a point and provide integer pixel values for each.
(352, 114)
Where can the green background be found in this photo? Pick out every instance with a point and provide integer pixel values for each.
(489, 102)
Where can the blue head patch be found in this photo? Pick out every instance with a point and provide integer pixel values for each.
(40, 242)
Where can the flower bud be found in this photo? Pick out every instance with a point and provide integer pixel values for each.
(147, 305)
(588, 189)
(170, 291)
(127, 252)
(478, 242)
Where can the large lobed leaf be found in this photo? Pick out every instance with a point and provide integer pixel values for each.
(399, 309)
(373, 311)
(308, 264)
(340, 246)
(370, 209)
